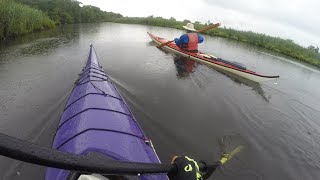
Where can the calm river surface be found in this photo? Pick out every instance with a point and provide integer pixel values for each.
(183, 112)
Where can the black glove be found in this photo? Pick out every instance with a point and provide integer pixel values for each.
(187, 169)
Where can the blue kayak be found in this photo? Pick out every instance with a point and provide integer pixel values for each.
(97, 121)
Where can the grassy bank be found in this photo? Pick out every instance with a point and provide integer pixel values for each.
(17, 19)
(286, 47)
(70, 11)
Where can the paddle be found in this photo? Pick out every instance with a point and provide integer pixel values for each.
(28, 152)
(198, 31)
(227, 156)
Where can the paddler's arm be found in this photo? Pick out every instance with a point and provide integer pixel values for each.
(209, 172)
(224, 158)
(186, 169)
(184, 39)
(200, 39)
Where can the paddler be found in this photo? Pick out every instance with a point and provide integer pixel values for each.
(188, 169)
(189, 41)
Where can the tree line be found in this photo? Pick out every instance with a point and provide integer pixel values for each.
(19, 17)
(70, 11)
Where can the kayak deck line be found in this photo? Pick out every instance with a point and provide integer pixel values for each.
(90, 70)
(101, 94)
(215, 63)
(85, 70)
(79, 113)
(97, 129)
(95, 87)
(93, 74)
(94, 80)
(92, 65)
(81, 80)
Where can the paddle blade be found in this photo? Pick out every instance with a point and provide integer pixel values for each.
(227, 156)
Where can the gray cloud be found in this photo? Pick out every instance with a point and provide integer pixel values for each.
(301, 14)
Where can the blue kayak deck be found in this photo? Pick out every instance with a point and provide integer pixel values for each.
(96, 119)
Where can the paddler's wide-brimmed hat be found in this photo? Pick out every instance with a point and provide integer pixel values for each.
(189, 27)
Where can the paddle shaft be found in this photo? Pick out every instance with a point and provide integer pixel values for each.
(28, 152)
(198, 31)
(208, 27)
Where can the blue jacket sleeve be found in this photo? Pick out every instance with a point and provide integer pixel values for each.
(183, 40)
(200, 39)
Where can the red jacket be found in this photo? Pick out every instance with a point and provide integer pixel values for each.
(192, 44)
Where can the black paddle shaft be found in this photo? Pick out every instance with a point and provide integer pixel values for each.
(28, 152)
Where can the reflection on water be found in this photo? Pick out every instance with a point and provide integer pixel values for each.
(184, 66)
(42, 42)
(256, 87)
(43, 46)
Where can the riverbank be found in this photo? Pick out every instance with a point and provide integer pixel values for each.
(17, 19)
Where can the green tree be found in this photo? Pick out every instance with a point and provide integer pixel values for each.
(17, 19)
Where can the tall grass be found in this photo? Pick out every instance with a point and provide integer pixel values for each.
(17, 19)
(283, 46)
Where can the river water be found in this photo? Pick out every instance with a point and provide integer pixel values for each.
(186, 108)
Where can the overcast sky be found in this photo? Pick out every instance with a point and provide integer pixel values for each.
(298, 20)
